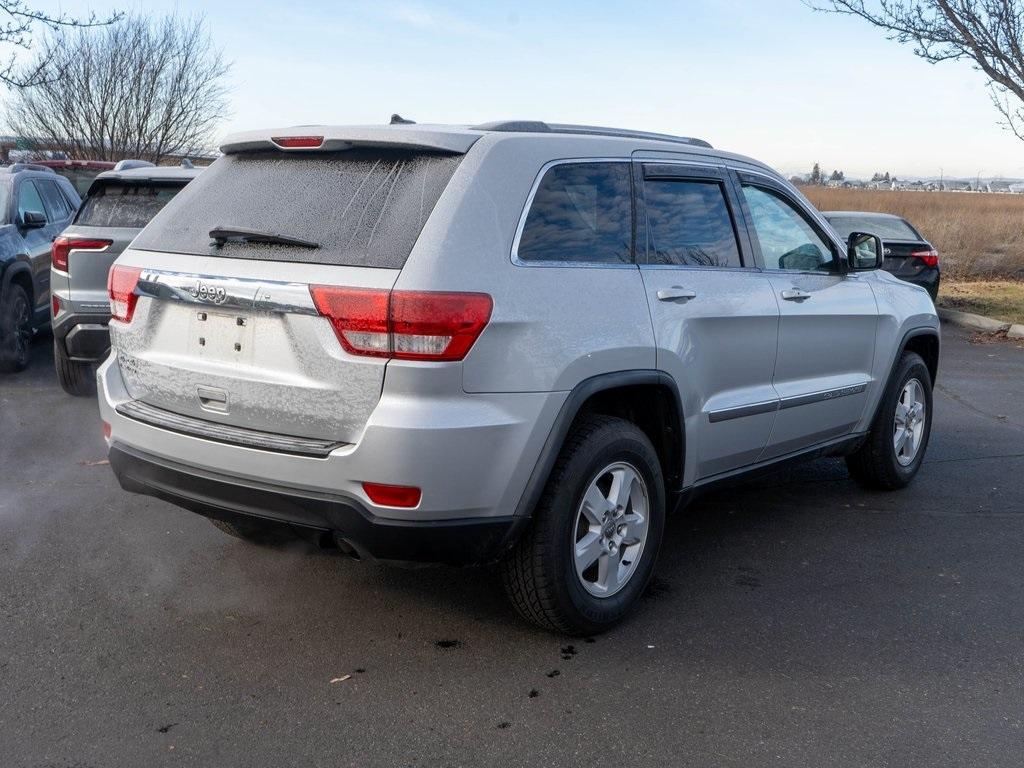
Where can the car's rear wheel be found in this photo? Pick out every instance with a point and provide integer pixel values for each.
(264, 533)
(75, 378)
(891, 455)
(595, 535)
(15, 329)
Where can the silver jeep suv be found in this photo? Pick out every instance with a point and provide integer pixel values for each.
(514, 342)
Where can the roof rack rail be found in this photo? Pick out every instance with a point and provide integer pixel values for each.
(16, 167)
(538, 126)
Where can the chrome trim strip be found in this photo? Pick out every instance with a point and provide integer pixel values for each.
(227, 292)
(740, 411)
(223, 433)
(793, 401)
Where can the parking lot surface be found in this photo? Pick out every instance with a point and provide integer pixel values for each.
(794, 620)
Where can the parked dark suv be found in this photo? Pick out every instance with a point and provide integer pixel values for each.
(35, 206)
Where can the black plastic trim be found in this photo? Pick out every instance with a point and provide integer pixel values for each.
(571, 408)
(462, 541)
(911, 334)
(838, 447)
(87, 338)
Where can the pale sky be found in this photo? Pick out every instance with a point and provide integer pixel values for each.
(767, 78)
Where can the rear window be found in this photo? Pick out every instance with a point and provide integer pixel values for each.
(120, 204)
(883, 226)
(581, 212)
(362, 207)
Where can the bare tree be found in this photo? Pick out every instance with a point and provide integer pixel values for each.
(989, 33)
(142, 87)
(18, 23)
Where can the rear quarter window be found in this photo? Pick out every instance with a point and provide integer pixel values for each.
(362, 207)
(580, 212)
(120, 204)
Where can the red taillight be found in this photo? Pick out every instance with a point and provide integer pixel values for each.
(54, 306)
(404, 325)
(106, 430)
(392, 495)
(298, 142)
(62, 246)
(930, 258)
(121, 282)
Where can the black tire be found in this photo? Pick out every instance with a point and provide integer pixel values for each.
(263, 533)
(539, 574)
(874, 464)
(15, 329)
(76, 379)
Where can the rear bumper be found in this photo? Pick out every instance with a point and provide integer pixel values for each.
(85, 337)
(470, 454)
(457, 542)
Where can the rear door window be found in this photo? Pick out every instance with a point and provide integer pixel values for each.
(689, 223)
(125, 204)
(361, 207)
(581, 212)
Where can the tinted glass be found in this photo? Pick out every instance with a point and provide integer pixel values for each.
(581, 212)
(883, 226)
(688, 223)
(29, 199)
(787, 239)
(125, 205)
(363, 207)
(57, 207)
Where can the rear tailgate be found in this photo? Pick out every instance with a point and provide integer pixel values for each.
(249, 350)
(113, 213)
(226, 329)
(88, 267)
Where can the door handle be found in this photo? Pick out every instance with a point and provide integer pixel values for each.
(795, 295)
(676, 293)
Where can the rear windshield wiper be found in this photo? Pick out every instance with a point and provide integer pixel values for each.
(223, 235)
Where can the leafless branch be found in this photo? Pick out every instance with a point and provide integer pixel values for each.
(142, 87)
(17, 26)
(988, 33)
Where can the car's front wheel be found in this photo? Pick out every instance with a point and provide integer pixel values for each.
(893, 451)
(595, 535)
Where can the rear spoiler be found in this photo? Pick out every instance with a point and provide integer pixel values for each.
(320, 138)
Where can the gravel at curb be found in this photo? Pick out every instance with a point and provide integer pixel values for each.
(977, 322)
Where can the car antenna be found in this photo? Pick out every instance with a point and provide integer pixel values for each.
(397, 119)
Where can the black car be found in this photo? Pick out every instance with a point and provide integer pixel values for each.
(907, 255)
(35, 206)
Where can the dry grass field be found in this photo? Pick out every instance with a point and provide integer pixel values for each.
(979, 236)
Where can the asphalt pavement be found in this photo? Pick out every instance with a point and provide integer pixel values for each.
(793, 621)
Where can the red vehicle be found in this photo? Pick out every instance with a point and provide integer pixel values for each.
(78, 172)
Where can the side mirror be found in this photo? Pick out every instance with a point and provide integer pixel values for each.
(864, 252)
(33, 220)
